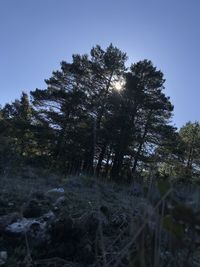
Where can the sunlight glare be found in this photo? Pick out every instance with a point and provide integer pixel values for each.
(118, 85)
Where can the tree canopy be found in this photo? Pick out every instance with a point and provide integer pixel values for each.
(99, 117)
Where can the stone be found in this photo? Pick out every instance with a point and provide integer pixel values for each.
(5, 220)
(33, 226)
(3, 257)
(21, 226)
(60, 201)
(57, 190)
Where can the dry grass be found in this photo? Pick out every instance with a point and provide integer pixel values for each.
(130, 230)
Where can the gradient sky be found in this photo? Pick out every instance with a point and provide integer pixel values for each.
(35, 35)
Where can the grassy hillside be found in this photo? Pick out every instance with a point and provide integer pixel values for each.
(48, 220)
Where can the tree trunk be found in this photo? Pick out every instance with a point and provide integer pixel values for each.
(88, 166)
(107, 164)
(97, 124)
(117, 165)
(101, 157)
(136, 158)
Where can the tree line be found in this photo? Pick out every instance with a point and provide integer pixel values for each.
(97, 116)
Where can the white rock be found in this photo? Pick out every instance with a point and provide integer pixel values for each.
(60, 201)
(21, 226)
(57, 190)
(3, 257)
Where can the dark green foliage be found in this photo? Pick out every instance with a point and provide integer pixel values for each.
(16, 133)
(190, 137)
(180, 158)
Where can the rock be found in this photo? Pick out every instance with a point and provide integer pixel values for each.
(8, 219)
(3, 257)
(21, 226)
(60, 201)
(56, 190)
(36, 229)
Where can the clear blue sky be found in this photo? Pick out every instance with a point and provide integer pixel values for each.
(35, 35)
